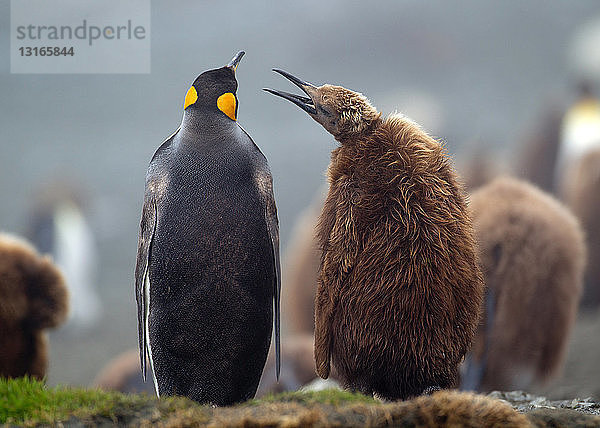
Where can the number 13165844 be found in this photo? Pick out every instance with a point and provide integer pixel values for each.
(46, 51)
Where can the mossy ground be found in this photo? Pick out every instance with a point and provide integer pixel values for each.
(30, 403)
(26, 401)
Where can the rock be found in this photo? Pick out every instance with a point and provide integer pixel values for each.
(525, 402)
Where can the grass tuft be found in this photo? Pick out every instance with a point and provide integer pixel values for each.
(28, 401)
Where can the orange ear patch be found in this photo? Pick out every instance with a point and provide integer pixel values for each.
(226, 103)
(190, 97)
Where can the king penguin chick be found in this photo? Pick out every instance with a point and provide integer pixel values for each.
(400, 289)
(33, 298)
(532, 252)
(207, 273)
(298, 366)
(122, 373)
(300, 270)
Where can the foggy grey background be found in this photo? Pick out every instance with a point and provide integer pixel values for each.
(467, 70)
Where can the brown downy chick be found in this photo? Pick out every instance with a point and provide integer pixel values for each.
(123, 374)
(33, 297)
(400, 289)
(532, 253)
(297, 366)
(300, 270)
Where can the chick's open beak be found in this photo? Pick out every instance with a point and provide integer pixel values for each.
(305, 103)
(235, 60)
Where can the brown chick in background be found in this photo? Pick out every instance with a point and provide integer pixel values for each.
(33, 298)
(532, 254)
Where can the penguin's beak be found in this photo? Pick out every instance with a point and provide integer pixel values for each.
(235, 61)
(305, 103)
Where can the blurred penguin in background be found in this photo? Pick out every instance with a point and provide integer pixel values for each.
(297, 366)
(33, 297)
(58, 226)
(536, 161)
(580, 132)
(533, 255)
(582, 195)
(301, 269)
(123, 374)
(478, 164)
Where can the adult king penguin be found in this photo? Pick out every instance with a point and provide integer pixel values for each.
(207, 272)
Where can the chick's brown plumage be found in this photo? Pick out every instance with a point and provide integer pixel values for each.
(400, 289)
(533, 255)
(33, 297)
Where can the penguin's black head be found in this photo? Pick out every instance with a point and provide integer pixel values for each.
(344, 113)
(214, 91)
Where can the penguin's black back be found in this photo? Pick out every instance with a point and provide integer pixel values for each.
(211, 265)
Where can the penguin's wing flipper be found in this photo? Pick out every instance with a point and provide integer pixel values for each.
(142, 283)
(264, 182)
(323, 315)
(273, 228)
